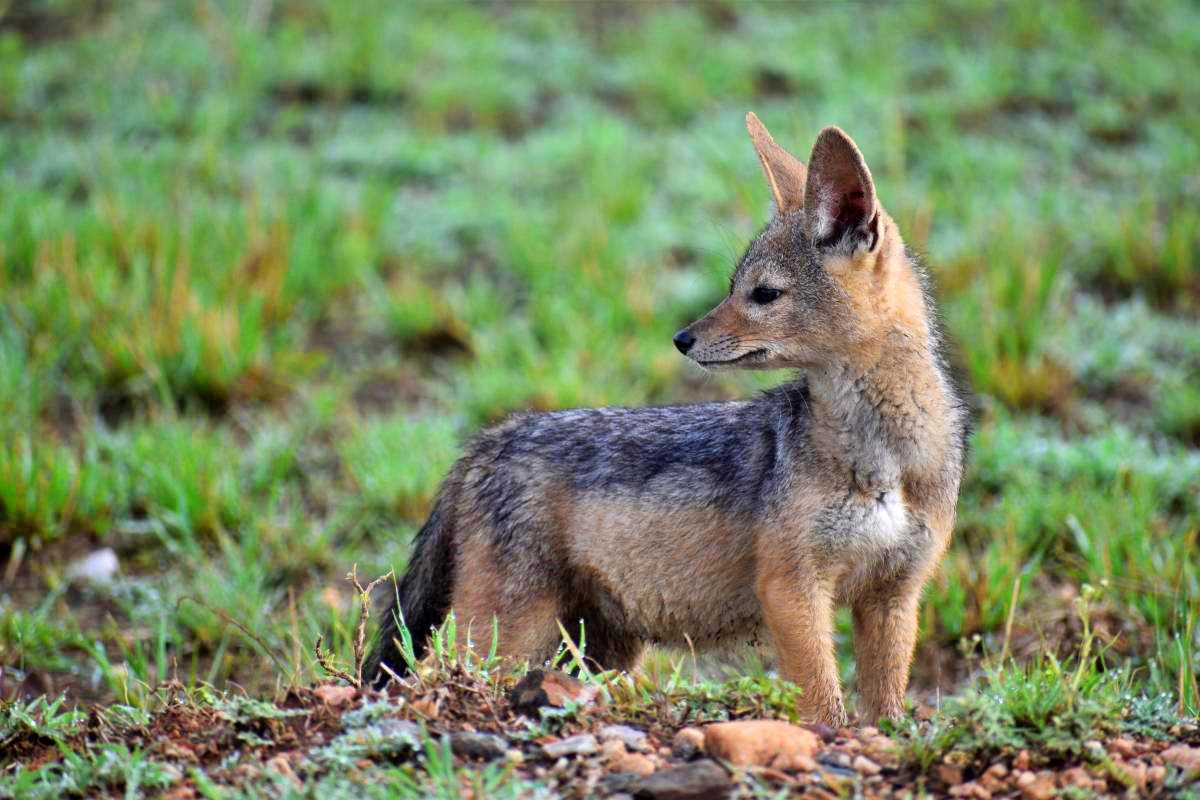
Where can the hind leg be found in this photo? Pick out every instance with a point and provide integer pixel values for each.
(525, 616)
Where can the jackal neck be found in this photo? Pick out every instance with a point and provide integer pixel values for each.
(892, 408)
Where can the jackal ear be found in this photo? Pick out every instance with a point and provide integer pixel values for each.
(785, 173)
(839, 197)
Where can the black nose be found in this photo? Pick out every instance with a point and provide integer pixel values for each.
(684, 341)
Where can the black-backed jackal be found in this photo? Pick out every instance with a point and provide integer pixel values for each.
(712, 523)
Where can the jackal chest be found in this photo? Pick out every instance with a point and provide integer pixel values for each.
(854, 523)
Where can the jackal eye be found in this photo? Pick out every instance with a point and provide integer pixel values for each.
(764, 294)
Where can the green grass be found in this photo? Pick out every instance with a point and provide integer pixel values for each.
(260, 275)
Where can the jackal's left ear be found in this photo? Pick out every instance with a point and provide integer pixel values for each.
(785, 173)
(839, 198)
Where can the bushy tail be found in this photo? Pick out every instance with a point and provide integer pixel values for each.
(422, 597)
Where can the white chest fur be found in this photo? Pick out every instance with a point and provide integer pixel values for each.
(866, 524)
(887, 518)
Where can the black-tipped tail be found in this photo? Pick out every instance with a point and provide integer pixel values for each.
(422, 597)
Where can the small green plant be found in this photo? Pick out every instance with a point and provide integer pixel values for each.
(1049, 706)
(39, 717)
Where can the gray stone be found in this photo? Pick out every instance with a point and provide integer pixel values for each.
(479, 746)
(581, 745)
(632, 738)
(699, 780)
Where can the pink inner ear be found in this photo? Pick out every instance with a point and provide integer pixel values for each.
(852, 209)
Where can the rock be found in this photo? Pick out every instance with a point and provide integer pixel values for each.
(993, 778)
(970, 789)
(400, 730)
(616, 784)
(632, 738)
(427, 707)
(1040, 786)
(1184, 757)
(98, 566)
(1094, 749)
(1133, 774)
(1022, 760)
(335, 696)
(540, 688)
(1075, 776)
(1156, 775)
(582, 745)
(612, 749)
(761, 743)
(478, 746)
(688, 743)
(632, 763)
(880, 748)
(865, 765)
(1123, 747)
(700, 780)
(948, 774)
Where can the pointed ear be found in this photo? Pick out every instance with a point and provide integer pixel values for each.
(785, 173)
(839, 198)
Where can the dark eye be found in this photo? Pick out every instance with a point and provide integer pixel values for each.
(764, 294)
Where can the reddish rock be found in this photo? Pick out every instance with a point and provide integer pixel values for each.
(540, 688)
(1038, 786)
(762, 743)
(1123, 747)
(335, 696)
(994, 779)
(1134, 774)
(633, 763)
(865, 765)
(948, 774)
(971, 789)
(1075, 776)
(1184, 757)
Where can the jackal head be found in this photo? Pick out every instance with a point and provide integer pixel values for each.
(826, 277)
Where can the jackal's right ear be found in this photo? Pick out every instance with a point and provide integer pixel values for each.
(839, 199)
(785, 173)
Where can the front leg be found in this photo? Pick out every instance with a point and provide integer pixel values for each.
(885, 632)
(798, 610)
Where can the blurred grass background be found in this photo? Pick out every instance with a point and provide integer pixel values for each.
(264, 265)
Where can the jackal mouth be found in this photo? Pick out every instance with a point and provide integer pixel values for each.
(736, 360)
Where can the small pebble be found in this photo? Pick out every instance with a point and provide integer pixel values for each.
(581, 745)
(865, 765)
(632, 738)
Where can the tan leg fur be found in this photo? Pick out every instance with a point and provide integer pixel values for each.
(798, 610)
